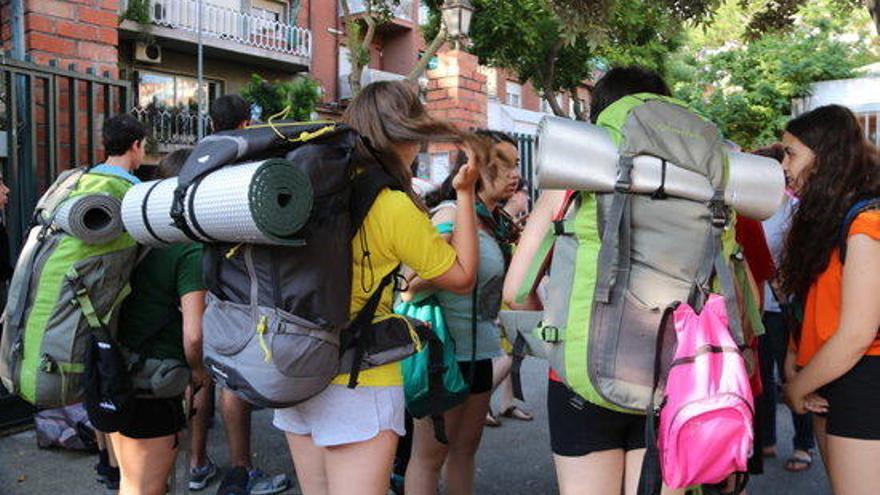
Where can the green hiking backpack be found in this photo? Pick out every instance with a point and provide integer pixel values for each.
(619, 259)
(62, 289)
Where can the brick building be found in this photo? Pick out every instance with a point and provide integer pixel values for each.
(153, 50)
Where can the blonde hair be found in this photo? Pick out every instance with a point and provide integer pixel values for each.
(388, 113)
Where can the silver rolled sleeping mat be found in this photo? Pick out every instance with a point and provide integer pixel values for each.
(582, 156)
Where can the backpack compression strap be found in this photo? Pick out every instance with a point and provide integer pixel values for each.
(358, 334)
(854, 211)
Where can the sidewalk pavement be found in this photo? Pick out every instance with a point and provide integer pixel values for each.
(514, 459)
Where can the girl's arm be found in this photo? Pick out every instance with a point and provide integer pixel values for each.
(539, 223)
(192, 305)
(416, 284)
(859, 321)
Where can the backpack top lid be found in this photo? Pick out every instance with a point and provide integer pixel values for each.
(664, 127)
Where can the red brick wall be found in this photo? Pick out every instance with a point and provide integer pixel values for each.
(81, 32)
(456, 90)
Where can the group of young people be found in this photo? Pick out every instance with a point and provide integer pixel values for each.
(460, 245)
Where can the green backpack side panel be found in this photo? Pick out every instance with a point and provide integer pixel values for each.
(54, 336)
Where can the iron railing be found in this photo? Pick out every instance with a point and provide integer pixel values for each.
(52, 121)
(171, 126)
(225, 23)
(871, 126)
(402, 10)
(527, 145)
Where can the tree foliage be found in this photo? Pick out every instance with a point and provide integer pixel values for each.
(300, 96)
(747, 87)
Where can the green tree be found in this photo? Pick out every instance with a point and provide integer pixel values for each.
(298, 97)
(557, 44)
(747, 87)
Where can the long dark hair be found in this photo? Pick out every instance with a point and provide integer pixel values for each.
(390, 112)
(847, 170)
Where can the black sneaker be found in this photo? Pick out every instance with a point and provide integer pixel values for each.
(235, 482)
(107, 475)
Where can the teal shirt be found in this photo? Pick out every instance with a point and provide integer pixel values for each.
(457, 309)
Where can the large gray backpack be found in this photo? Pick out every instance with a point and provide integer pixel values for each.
(277, 327)
(620, 259)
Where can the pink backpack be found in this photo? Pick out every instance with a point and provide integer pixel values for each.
(706, 417)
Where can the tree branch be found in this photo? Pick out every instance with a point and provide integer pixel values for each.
(549, 77)
(580, 110)
(429, 54)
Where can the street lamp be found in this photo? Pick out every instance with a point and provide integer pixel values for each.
(457, 16)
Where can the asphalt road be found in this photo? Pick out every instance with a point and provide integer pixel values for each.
(514, 459)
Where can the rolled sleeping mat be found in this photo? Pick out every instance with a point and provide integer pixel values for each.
(582, 156)
(91, 218)
(146, 210)
(263, 202)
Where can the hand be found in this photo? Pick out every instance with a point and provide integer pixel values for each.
(4, 195)
(466, 178)
(802, 403)
(200, 378)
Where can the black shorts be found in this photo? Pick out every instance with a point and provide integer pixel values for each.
(482, 375)
(854, 401)
(578, 427)
(153, 418)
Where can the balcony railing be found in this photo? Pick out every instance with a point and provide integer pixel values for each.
(228, 24)
(171, 126)
(403, 10)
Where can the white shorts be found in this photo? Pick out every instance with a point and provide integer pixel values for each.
(340, 415)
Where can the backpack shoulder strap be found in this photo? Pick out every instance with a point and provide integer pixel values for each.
(854, 211)
(366, 187)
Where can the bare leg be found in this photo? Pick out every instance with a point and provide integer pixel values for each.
(464, 443)
(822, 440)
(852, 464)
(145, 463)
(362, 468)
(633, 473)
(429, 455)
(308, 461)
(202, 402)
(237, 421)
(598, 473)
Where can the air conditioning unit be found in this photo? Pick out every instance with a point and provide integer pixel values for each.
(150, 53)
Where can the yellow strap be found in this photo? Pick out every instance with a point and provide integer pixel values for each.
(233, 250)
(417, 342)
(262, 326)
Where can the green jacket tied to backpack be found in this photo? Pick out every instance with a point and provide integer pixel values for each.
(62, 289)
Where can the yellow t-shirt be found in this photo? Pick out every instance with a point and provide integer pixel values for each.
(397, 232)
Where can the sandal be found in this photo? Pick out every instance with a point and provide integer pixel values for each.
(491, 420)
(798, 463)
(514, 412)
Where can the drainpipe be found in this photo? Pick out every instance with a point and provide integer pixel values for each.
(18, 47)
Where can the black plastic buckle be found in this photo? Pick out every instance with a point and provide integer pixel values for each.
(559, 227)
(720, 215)
(554, 331)
(177, 210)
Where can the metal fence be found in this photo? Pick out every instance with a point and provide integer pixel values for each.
(527, 145)
(50, 120)
(171, 126)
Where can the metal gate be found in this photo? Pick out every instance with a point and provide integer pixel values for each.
(527, 145)
(50, 120)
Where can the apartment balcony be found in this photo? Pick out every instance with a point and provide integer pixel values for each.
(368, 76)
(251, 37)
(402, 19)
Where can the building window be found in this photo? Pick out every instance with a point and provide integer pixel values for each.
(491, 80)
(172, 91)
(514, 94)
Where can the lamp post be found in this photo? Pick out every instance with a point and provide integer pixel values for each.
(457, 15)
